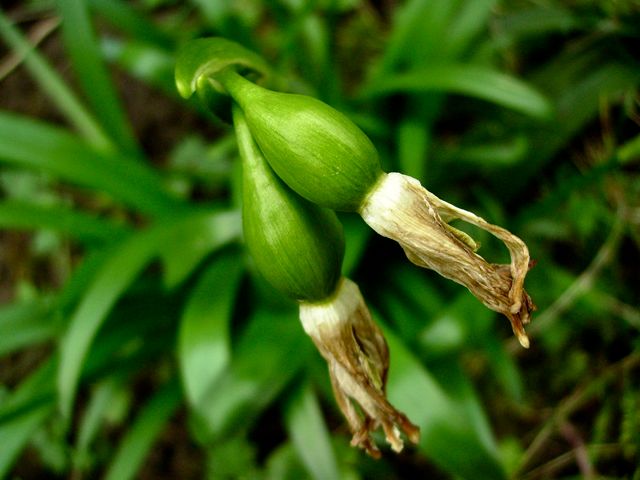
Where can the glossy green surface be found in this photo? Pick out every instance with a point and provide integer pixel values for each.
(297, 246)
(315, 149)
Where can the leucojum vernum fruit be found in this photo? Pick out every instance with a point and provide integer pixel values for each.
(302, 160)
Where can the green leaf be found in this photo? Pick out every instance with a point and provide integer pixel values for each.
(417, 22)
(25, 324)
(578, 85)
(489, 155)
(457, 385)
(311, 45)
(204, 343)
(235, 457)
(284, 464)
(16, 433)
(310, 436)
(93, 418)
(357, 235)
(191, 246)
(124, 264)
(22, 412)
(472, 80)
(410, 295)
(57, 89)
(147, 62)
(535, 21)
(471, 18)
(146, 427)
(413, 144)
(115, 275)
(85, 227)
(629, 151)
(504, 368)
(36, 145)
(82, 48)
(83, 275)
(269, 353)
(442, 420)
(126, 18)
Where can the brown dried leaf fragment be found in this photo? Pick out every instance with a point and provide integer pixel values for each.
(358, 360)
(398, 207)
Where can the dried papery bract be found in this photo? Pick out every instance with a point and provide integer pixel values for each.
(358, 359)
(398, 207)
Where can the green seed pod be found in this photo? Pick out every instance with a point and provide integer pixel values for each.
(316, 150)
(297, 246)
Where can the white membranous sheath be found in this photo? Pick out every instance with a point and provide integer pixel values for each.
(358, 359)
(400, 208)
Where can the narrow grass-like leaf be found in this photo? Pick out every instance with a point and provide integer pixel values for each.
(31, 390)
(425, 19)
(204, 343)
(16, 433)
(630, 151)
(442, 423)
(357, 235)
(126, 18)
(83, 50)
(413, 143)
(269, 353)
(472, 80)
(536, 21)
(119, 350)
(227, 20)
(93, 417)
(125, 347)
(191, 246)
(504, 368)
(84, 227)
(409, 296)
(55, 87)
(440, 336)
(234, 457)
(489, 155)
(315, 56)
(123, 265)
(458, 387)
(143, 432)
(83, 275)
(148, 62)
(284, 464)
(580, 85)
(471, 17)
(25, 324)
(310, 436)
(37, 145)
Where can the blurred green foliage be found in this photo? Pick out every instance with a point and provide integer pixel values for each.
(138, 341)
